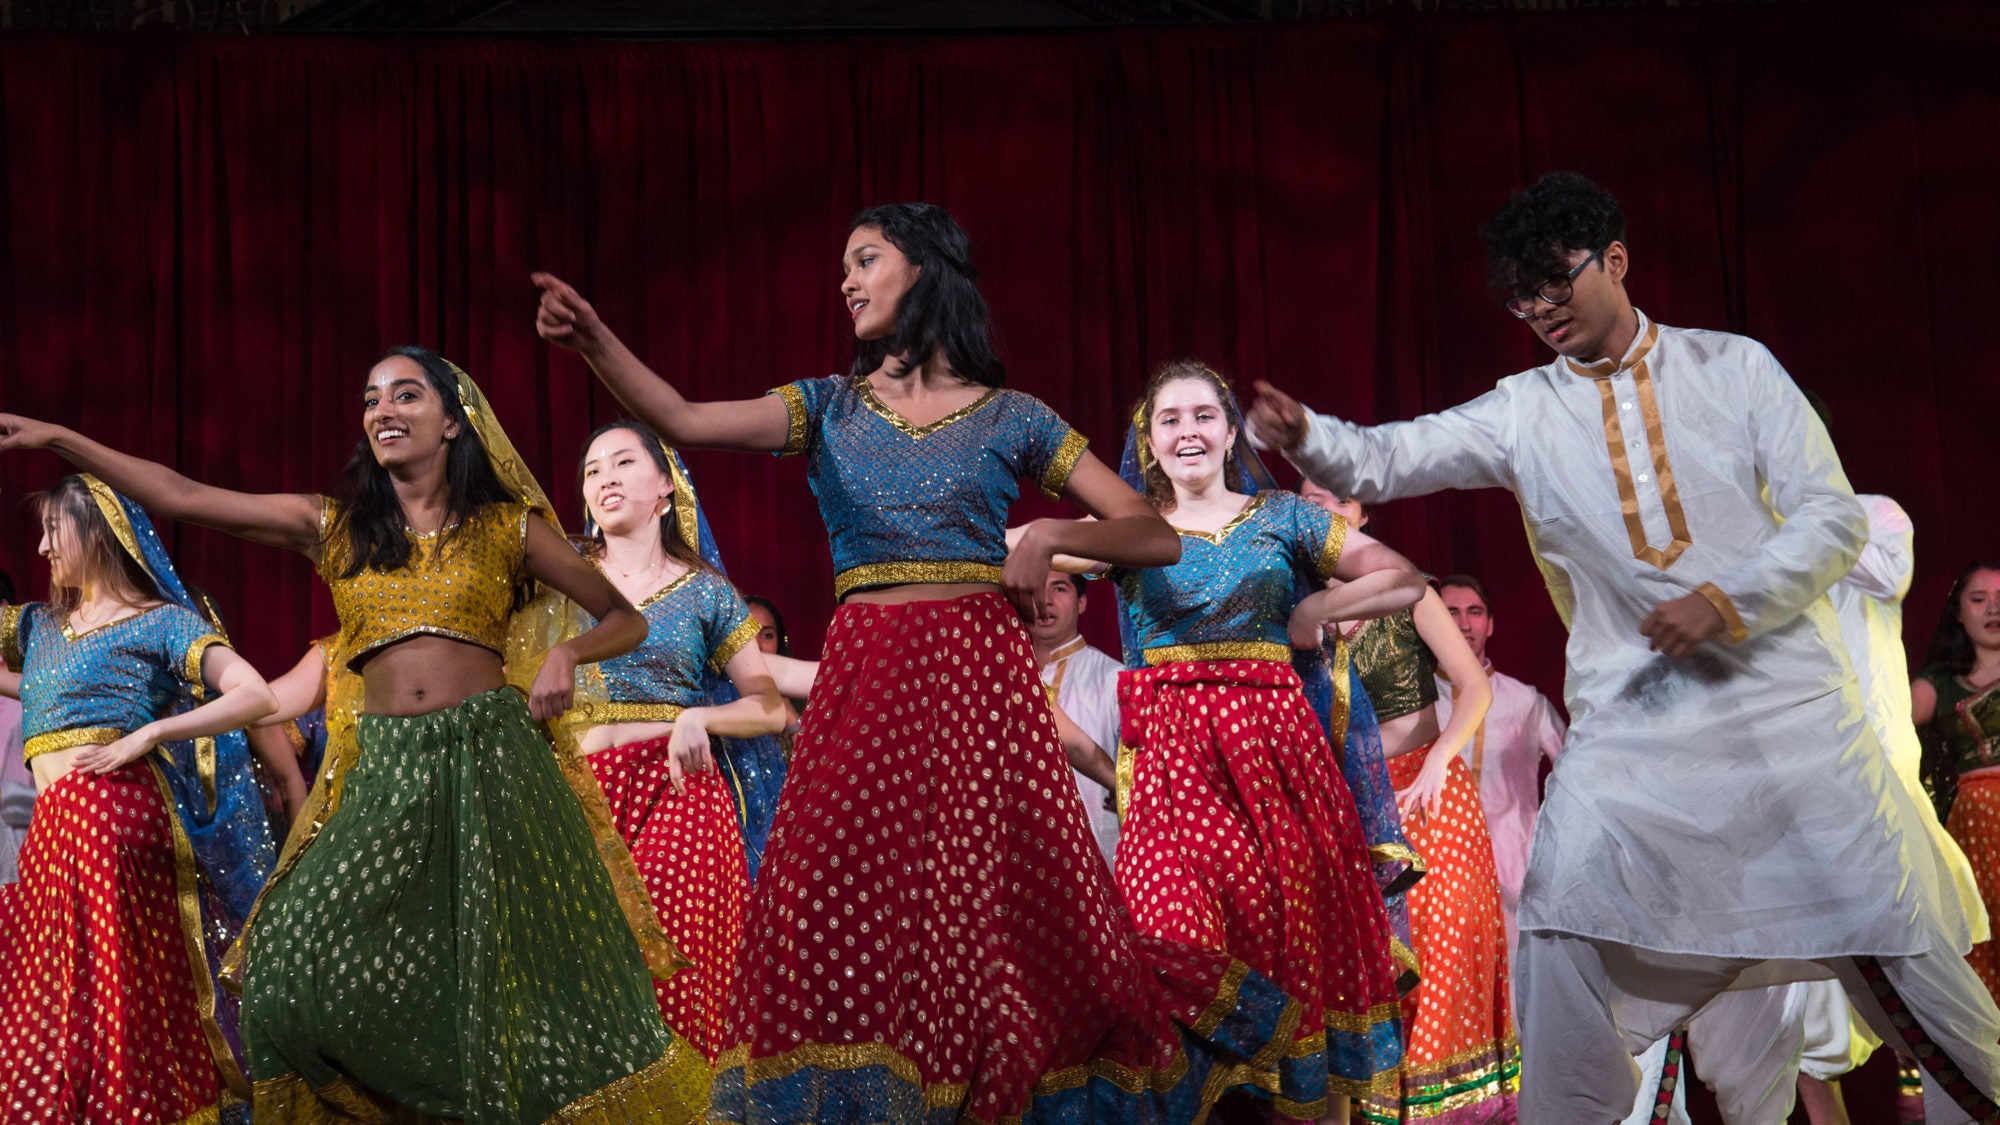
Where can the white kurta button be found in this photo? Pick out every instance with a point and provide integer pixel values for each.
(1642, 478)
(1624, 406)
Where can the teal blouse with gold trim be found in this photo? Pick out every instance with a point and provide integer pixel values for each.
(1232, 594)
(698, 621)
(907, 503)
(90, 688)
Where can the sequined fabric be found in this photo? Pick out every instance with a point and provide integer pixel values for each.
(688, 851)
(1975, 824)
(1233, 587)
(459, 583)
(117, 677)
(1239, 836)
(1397, 865)
(451, 944)
(1463, 1064)
(694, 623)
(100, 1016)
(907, 503)
(1396, 666)
(934, 939)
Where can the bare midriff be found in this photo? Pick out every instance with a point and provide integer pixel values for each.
(425, 673)
(606, 735)
(56, 764)
(1413, 731)
(920, 592)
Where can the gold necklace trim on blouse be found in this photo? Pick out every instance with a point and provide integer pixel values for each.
(1221, 533)
(884, 412)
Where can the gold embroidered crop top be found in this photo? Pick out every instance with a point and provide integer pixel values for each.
(1396, 665)
(459, 583)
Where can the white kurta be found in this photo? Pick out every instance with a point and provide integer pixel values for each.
(1733, 803)
(1521, 731)
(1869, 605)
(1088, 694)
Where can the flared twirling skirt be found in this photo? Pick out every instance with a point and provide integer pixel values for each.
(1462, 1064)
(690, 854)
(451, 944)
(934, 938)
(1238, 835)
(101, 1012)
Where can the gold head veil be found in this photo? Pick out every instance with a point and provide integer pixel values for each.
(545, 621)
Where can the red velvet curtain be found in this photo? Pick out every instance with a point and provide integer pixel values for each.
(207, 241)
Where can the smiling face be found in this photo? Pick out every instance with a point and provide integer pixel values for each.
(874, 277)
(403, 416)
(1979, 608)
(1583, 327)
(623, 487)
(1190, 431)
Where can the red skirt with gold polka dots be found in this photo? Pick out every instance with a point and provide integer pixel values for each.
(1463, 1064)
(690, 853)
(101, 1017)
(933, 936)
(1238, 835)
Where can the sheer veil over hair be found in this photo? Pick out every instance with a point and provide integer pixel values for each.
(537, 626)
(224, 848)
(747, 764)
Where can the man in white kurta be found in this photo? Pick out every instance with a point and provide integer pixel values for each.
(1083, 683)
(1722, 816)
(1520, 732)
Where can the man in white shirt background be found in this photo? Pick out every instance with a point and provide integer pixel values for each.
(1522, 730)
(1083, 686)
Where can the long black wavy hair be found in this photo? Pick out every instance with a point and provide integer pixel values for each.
(943, 310)
(372, 520)
(1951, 645)
(1528, 239)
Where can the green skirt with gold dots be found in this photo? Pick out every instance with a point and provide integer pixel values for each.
(451, 945)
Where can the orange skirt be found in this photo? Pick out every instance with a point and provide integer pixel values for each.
(1462, 1063)
(690, 853)
(1975, 823)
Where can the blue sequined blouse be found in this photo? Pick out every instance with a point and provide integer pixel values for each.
(1232, 594)
(97, 686)
(694, 621)
(907, 503)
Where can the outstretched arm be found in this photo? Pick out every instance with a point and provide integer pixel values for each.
(1126, 532)
(565, 319)
(1468, 446)
(793, 676)
(289, 520)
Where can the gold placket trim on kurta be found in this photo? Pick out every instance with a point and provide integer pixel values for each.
(1602, 373)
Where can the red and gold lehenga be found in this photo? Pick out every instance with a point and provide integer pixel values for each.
(1239, 833)
(932, 937)
(131, 880)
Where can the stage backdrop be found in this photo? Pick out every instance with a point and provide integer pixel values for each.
(207, 241)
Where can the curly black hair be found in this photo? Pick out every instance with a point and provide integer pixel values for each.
(1528, 240)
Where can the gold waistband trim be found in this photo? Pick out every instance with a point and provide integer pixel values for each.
(1219, 650)
(49, 742)
(634, 712)
(908, 573)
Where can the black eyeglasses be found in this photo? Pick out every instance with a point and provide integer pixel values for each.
(1556, 290)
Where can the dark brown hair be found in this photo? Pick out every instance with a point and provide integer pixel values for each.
(1159, 491)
